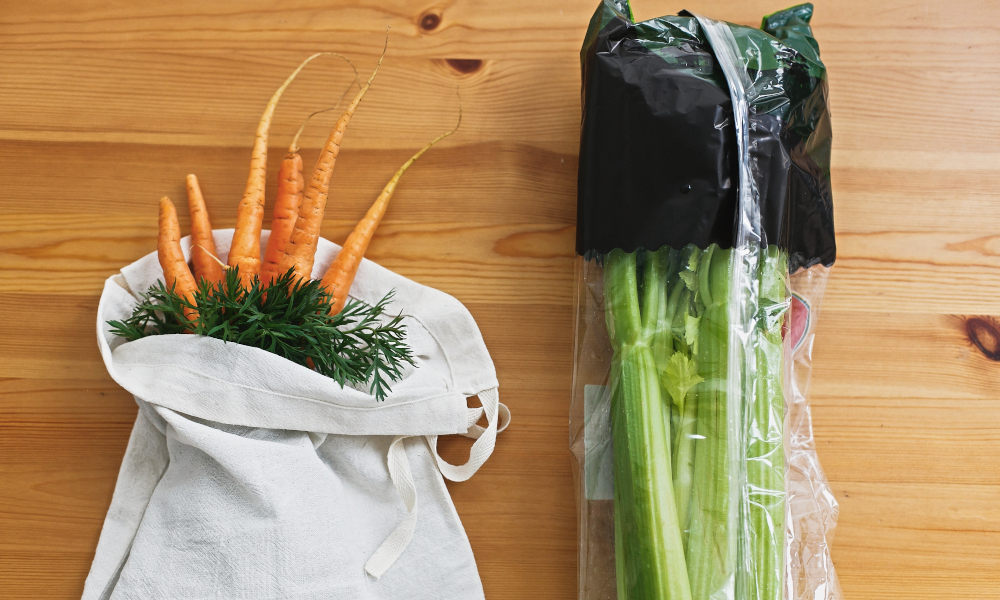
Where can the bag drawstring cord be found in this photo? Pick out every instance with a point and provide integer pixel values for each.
(497, 419)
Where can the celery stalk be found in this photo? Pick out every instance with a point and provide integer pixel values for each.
(619, 557)
(661, 266)
(709, 551)
(651, 563)
(682, 379)
(684, 464)
(763, 434)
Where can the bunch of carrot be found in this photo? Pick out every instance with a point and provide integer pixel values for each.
(295, 225)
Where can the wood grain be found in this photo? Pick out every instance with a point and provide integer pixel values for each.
(106, 106)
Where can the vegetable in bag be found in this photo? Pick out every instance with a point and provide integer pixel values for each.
(248, 475)
(703, 183)
(270, 457)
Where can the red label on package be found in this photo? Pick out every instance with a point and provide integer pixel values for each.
(798, 321)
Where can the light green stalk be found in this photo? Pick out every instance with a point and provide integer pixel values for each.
(764, 533)
(660, 267)
(682, 379)
(709, 549)
(684, 463)
(651, 563)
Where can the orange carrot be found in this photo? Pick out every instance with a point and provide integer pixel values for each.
(286, 210)
(176, 273)
(245, 249)
(301, 249)
(203, 253)
(287, 203)
(340, 275)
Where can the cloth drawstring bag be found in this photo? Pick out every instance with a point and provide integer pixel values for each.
(249, 476)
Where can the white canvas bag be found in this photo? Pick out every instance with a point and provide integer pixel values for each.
(249, 476)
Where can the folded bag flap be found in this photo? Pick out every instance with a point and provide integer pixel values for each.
(240, 385)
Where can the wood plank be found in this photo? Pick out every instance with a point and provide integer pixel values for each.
(148, 98)
(961, 508)
(904, 272)
(878, 80)
(62, 442)
(204, 99)
(492, 183)
(923, 562)
(916, 442)
(52, 258)
(61, 342)
(869, 354)
(938, 539)
(31, 573)
(93, 25)
(51, 254)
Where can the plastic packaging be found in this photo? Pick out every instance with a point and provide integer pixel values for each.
(705, 238)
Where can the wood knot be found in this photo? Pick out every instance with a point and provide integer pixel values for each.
(464, 65)
(985, 335)
(430, 21)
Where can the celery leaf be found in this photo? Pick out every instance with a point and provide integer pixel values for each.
(681, 375)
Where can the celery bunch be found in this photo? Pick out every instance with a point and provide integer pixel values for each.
(677, 462)
(649, 550)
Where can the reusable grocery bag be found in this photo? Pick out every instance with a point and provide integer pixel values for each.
(250, 476)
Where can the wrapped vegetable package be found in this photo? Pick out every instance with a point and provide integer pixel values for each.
(705, 238)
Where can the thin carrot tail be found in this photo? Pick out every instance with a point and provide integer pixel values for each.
(293, 148)
(245, 248)
(301, 249)
(340, 275)
(349, 112)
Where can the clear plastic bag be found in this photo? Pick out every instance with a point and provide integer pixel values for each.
(705, 235)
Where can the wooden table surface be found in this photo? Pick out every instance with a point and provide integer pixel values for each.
(105, 106)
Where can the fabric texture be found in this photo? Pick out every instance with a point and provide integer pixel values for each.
(248, 476)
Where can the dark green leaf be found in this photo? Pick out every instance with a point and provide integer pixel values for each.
(359, 345)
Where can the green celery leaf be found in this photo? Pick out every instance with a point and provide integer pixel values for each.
(681, 375)
(691, 323)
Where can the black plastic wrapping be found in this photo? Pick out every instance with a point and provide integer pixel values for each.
(658, 151)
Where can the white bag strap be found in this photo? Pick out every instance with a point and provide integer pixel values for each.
(486, 438)
(399, 539)
(497, 419)
(475, 431)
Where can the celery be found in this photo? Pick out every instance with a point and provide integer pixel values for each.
(764, 532)
(650, 561)
(669, 324)
(709, 550)
(684, 464)
(681, 377)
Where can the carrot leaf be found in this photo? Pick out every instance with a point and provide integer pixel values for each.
(360, 345)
